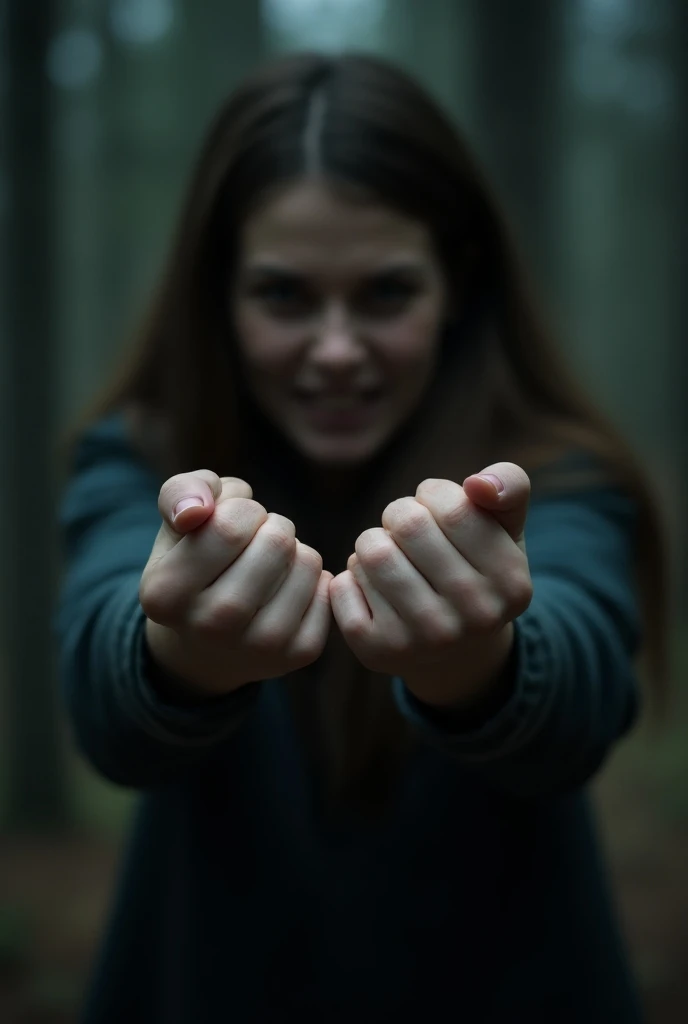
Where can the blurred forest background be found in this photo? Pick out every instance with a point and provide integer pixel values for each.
(579, 108)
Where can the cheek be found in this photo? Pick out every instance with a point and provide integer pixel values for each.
(410, 345)
(267, 349)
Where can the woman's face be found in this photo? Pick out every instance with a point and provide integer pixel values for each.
(338, 308)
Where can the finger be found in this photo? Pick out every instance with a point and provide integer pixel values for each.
(172, 582)
(234, 487)
(382, 612)
(278, 620)
(258, 572)
(313, 630)
(504, 490)
(415, 531)
(474, 532)
(349, 607)
(386, 569)
(368, 623)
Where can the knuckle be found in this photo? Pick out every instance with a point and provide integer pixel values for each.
(407, 518)
(484, 615)
(309, 558)
(302, 658)
(440, 630)
(459, 591)
(221, 616)
(235, 521)
(306, 649)
(457, 514)
(271, 640)
(247, 508)
(358, 632)
(281, 522)
(234, 486)
(279, 539)
(159, 601)
(517, 588)
(432, 485)
(374, 548)
(211, 478)
(434, 489)
(228, 528)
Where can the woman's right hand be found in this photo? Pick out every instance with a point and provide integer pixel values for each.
(230, 595)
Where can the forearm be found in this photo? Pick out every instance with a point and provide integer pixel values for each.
(134, 730)
(571, 695)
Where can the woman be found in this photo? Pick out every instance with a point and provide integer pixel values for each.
(361, 714)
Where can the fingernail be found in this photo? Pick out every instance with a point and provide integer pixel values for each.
(185, 503)
(494, 480)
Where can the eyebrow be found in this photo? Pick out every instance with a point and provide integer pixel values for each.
(270, 268)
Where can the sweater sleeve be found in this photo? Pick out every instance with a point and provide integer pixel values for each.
(573, 690)
(109, 520)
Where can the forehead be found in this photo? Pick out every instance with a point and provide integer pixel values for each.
(310, 226)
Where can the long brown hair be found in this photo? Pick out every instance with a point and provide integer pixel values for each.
(504, 391)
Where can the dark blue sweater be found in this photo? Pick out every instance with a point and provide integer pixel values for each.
(479, 896)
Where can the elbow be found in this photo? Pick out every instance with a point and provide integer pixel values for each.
(107, 746)
(121, 766)
(574, 765)
(98, 750)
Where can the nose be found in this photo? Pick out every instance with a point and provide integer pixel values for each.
(337, 346)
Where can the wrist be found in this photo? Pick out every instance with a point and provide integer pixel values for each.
(174, 677)
(474, 681)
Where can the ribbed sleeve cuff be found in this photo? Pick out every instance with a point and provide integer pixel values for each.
(197, 726)
(511, 727)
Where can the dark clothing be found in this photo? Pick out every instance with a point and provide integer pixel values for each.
(480, 896)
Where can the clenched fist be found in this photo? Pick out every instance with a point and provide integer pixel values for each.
(231, 596)
(431, 595)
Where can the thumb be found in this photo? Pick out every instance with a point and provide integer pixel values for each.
(504, 490)
(188, 500)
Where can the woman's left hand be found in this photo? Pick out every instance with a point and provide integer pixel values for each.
(431, 596)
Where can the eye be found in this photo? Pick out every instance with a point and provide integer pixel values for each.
(283, 297)
(387, 295)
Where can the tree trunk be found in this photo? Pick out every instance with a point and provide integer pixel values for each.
(516, 96)
(680, 41)
(36, 779)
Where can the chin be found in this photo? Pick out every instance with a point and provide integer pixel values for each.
(340, 452)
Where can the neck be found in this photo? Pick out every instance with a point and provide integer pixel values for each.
(334, 482)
